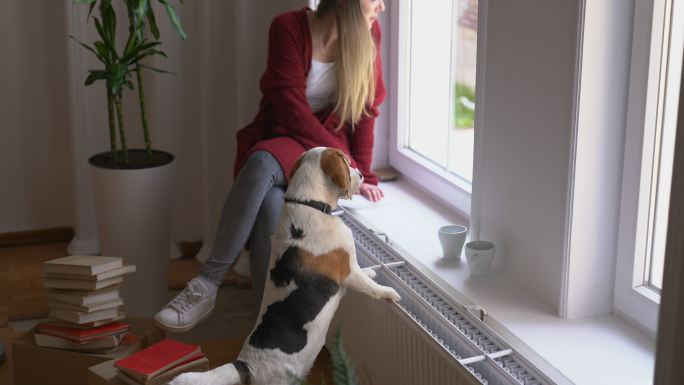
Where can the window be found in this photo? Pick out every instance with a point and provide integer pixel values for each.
(654, 96)
(433, 67)
(659, 143)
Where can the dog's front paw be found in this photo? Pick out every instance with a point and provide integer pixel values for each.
(186, 379)
(370, 272)
(389, 293)
(193, 378)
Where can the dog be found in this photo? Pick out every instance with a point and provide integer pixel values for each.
(312, 262)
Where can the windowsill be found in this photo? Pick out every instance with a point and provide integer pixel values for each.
(601, 350)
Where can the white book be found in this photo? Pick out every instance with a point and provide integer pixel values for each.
(80, 285)
(82, 318)
(82, 264)
(97, 277)
(86, 309)
(85, 297)
(85, 326)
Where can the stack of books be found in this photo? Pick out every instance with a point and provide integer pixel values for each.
(160, 363)
(83, 296)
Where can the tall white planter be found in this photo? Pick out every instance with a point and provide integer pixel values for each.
(133, 212)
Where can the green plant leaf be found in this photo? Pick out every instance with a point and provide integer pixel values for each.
(86, 46)
(89, 48)
(130, 44)
(90, 9)
(107, 40)
(158, 52)
(152, 22)
(118, 70)
(343, 369)
(142, 46)
(118, 76)
(175, 19)
(137, 10)
(140, 11)
(94, 76)
(100, 29)
(102, 51)
(157, 70)
(140, 56)
(141, 51)
(109, 22)
(150, 52)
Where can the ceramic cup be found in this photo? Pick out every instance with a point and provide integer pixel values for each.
(452, 239)
(479, 255)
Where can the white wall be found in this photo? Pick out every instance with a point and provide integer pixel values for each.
(174, 105)
(526, 128)
(600, 140)
(35, 146)
(231, 93)
(193, 114)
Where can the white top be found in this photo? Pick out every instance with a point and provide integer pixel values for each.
(321, 85)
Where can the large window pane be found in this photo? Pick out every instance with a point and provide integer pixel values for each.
(442, 46)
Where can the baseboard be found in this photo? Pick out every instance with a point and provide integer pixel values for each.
(58, 234)
(189, 249)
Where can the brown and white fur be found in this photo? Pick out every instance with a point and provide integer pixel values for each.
(312, 263)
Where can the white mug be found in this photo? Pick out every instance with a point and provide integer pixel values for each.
(452, 239)
(479, 255)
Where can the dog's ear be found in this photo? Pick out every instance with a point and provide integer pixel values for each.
(296, 165)
(334, 164)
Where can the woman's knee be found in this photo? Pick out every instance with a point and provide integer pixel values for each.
(261, 165)
(260, 160)
(272, 204)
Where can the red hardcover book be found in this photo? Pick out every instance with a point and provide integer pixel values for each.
(156, 359)
(194, 364)
(97, 344)
(79, 335)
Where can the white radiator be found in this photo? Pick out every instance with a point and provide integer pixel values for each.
(427, 339)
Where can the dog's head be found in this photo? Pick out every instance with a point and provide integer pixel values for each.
(329, 165)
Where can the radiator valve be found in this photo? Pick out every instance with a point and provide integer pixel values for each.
(478, 311)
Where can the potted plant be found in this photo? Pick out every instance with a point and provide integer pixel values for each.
(133, 188)
(343, 371)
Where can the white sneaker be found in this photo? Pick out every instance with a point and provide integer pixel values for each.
(191, 306)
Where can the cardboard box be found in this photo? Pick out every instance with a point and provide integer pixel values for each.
(104, 374)
(39, 365)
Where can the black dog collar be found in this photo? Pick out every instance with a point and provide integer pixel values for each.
(320, 206)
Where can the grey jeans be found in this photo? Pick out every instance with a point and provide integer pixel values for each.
(251, 213)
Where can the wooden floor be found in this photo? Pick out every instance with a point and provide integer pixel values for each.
(22, 297)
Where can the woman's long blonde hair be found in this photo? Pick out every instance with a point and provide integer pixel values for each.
(355, 63)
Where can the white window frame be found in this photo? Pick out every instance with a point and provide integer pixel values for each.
(633, 300)
(442, 185)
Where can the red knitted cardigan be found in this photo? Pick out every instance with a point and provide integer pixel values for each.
(285, 126)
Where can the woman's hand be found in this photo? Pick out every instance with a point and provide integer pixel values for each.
(371, 192)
